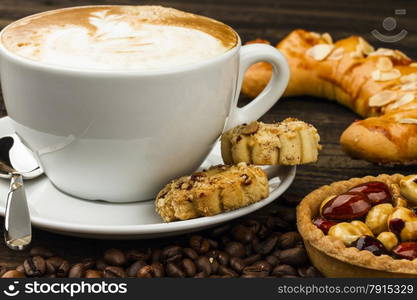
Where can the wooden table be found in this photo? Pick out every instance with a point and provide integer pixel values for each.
(270, 19)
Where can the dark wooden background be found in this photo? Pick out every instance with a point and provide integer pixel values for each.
(270, 19)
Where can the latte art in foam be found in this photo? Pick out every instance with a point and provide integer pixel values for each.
(118, 38)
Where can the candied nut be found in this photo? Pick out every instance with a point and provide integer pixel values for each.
(370, 244)
(349, 232)
(406, 250)
(382, 98)
(403, 222)
(384, 64)
(320, 51)
(408, 187)
(378, 192)
(413, 65)
(347, 206)
(250, 128)
(324, 202)
(388, 239)
(323, 224)
(397, 199)
(377, 217)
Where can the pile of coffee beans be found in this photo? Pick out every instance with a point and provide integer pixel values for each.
(253, 247)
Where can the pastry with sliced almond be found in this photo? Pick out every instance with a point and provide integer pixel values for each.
(378, 84)
(219, 189)
(290, 142)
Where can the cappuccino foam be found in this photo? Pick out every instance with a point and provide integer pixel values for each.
(118, 37)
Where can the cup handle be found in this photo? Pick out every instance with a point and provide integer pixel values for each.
(249, 55)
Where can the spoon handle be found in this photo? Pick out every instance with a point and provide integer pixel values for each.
(17, 226)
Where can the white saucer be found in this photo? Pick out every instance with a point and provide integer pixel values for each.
(57, 212)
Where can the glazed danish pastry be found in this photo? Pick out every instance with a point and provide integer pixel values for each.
(380, 85)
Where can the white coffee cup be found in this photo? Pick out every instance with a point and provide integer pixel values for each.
(120, 136)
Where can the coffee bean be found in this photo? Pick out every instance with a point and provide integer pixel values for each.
(276, 223)
(13, 274)
(263, 265)
(190, 253)
(255, 271)
(248, 249)
(291, 199)
(100, 264)
(114, 272)
(204, 265)
(58, 266)
(41, 251)
(34, 266)
(242, 234)
(266, 246)
(3, 270)
(310, 272)
(221, 256)
(171, 254)
(254, 225)
(263, 232)
(213, 244)
(174, 271)
(76, 271)
(289, 276)
(133, 269)
(200, 275)
(235, 249)
(19, 268)
(135, 255)
(158, 269)
(50, 276)
(293, 256)
(252, 259)
(156, 255)
(115, 257)
(227, 271)
(237, 264)
(272, 260)
(220, 230)
(189, 267)
(214, 265)
(199, 244)
(93, 274)
(288, 240)
(89, 263)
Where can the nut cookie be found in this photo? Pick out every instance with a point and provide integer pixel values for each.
(290, 142)
(219, 189)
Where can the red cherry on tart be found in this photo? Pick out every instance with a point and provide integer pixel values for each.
(407, 250)
(323, 224)
(377, 192)
(347, 206)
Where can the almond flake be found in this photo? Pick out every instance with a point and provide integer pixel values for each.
(411, 86)
(336, 54)
(382, 98)
(315, 34)
(378, 75)
(401, 55)
(384, 64)
(413, 65)
(406, 98)
(412, 77)
(365, 47)
(383, 52)
(408, 121)
(320, 51)
(356, 54)
(327, 38)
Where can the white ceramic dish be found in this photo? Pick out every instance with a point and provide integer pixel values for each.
(55, 211)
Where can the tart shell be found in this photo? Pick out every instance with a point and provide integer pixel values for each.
(329, 255)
